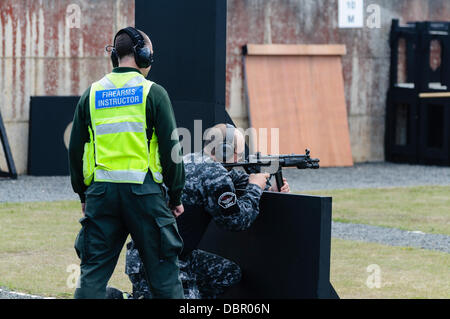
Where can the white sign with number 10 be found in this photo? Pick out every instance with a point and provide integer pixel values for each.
(351, 13)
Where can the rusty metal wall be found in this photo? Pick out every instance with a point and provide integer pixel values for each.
(41, 55)
(44, 52)
(366, 65)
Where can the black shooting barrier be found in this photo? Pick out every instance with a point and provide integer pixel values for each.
(286, 252)
(418, 101)
(50, 119)
(11, 173)
(189, 39)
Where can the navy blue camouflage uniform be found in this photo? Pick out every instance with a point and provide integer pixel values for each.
(209, 194)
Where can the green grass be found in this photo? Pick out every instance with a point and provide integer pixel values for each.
(426, 209)
(36, 245)
(405, 272)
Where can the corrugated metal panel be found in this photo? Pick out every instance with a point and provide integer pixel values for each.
(40, 54)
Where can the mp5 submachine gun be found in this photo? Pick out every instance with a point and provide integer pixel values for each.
(255, 162)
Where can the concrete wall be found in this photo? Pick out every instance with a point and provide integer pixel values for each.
(366, 65)
(40, 55)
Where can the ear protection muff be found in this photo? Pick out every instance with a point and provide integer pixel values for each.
(225, 150)
(142, 54)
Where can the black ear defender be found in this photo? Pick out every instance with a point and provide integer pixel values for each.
(225, 150)
(142, 54)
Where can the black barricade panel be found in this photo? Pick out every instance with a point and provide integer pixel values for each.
(285, 253)
(7, 151)
(417, 113)
(402, 115)
(189, 39)
(434, 140)
(50, 117)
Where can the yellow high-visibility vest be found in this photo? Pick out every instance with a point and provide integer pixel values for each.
(119, 150)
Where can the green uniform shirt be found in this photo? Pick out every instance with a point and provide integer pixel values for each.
(159, 115)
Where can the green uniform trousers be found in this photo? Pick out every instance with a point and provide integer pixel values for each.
(114, 210)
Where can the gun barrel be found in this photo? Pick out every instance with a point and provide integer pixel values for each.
(246, 164)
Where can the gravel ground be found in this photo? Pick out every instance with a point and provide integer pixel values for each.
(391, 236)
(370, 175)
(6, 294)
(36, 189)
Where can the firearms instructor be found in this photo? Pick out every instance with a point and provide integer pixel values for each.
(120, 154)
